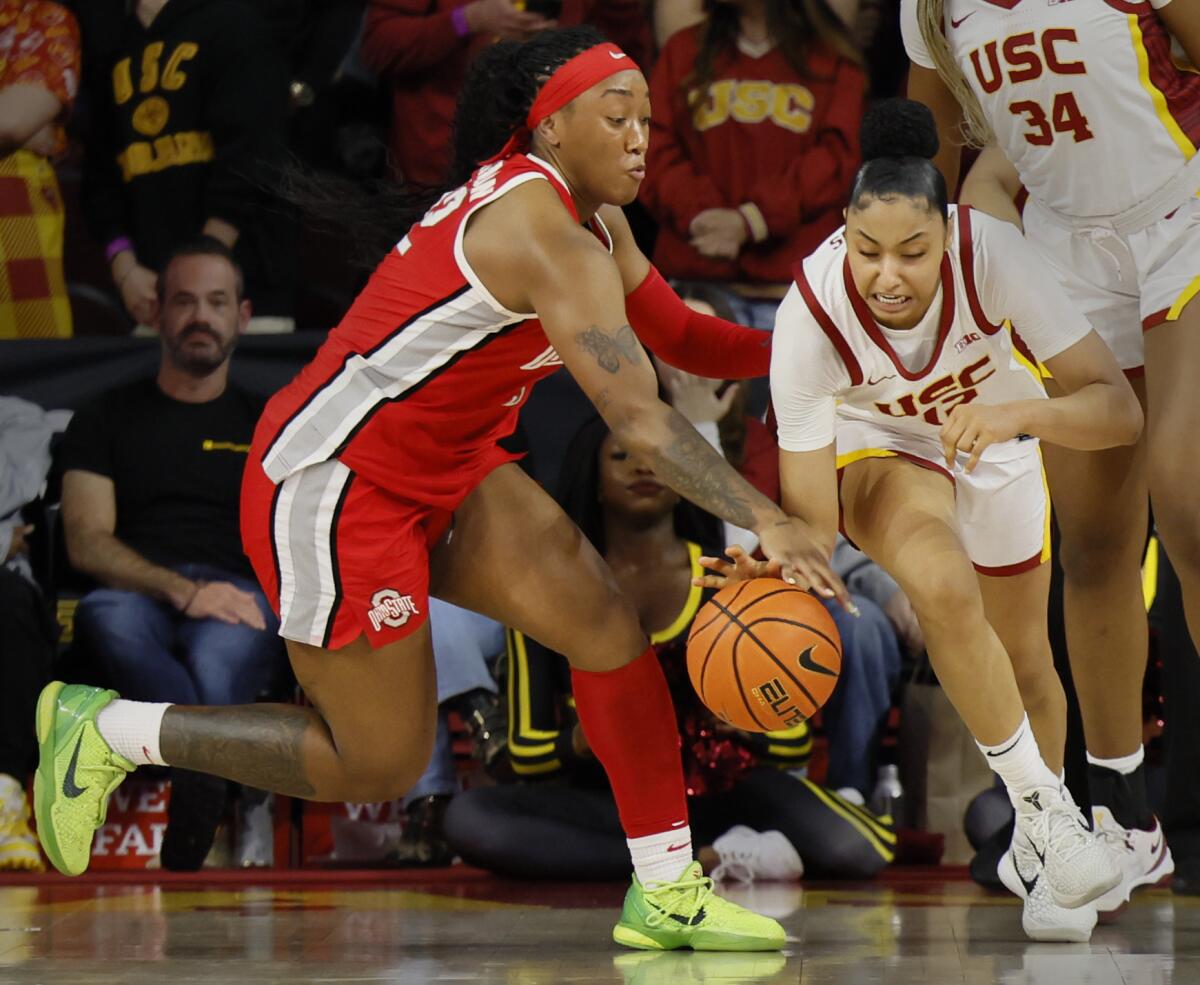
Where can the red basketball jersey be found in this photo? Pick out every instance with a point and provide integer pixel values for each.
(427, 371)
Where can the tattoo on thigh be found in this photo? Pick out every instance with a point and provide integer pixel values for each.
(609, 349)
(259, 745)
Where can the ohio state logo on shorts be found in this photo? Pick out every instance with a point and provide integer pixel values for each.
(390, 608)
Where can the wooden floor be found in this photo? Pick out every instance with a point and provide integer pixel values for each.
(917, 927)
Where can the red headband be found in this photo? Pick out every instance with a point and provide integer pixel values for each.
(568, 81)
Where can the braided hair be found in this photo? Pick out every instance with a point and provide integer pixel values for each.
(499, 89)
(501, 86)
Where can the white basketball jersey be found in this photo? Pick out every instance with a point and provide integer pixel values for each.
(833, 365)
(1086, 98)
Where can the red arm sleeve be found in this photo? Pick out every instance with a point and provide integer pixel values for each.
(674, 190)
(695, 343)
(818, 179)
(400, 37)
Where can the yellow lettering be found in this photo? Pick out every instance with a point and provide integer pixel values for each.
(753, 102)
(793, 107)
(168, 151)
(172, 77)
(150, 57)
(122, 82)
(715, 110)
(164, 152)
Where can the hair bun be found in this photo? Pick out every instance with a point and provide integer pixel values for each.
(898, 128)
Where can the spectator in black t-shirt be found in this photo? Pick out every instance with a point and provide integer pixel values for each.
(152, 477)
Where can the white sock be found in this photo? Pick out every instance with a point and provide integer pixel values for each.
(1122, 764)
(661, 857)
(132, 729)
(1018, 762)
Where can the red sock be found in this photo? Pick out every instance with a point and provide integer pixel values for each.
(629, 720)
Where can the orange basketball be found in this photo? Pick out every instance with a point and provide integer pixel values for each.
(764, 655)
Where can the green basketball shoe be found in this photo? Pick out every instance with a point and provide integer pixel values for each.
(688, 913)
(76, 774)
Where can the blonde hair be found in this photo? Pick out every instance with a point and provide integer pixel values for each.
(976, 131)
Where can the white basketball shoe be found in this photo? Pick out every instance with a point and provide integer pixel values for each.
(1142, 856)
(1050, 832)
(1042, 918)
(748, 856)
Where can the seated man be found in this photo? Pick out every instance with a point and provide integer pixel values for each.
(151, 483)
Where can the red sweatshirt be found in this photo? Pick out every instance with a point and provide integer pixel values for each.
(413, 44)
(784, 147)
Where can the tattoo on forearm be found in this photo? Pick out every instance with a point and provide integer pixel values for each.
(609, 349)
(697, 471)
(258, 745)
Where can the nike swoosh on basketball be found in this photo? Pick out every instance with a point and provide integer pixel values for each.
(808, 663)
(69, 787)
(956, 23)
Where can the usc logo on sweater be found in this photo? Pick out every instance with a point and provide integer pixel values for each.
(786, 104)
(152, 114)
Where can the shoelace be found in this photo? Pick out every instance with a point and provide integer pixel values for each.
(737, 863)
(702, 887)
(1063, 822)
(1114, 837)
(115, 775)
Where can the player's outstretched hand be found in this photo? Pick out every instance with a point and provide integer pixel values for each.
(226, 602)
(804, 563)
(740, 567)
(972, 428)
(805, 566)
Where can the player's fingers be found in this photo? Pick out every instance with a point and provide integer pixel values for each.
(793, 576)
(710, 581)
(951, 431)
(826, 583)
(973, 442)
(717, 565)
(772, 569)
(976, 451)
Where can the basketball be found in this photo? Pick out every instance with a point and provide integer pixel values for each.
(764, 655)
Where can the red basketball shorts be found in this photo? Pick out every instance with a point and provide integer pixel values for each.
(337, 556)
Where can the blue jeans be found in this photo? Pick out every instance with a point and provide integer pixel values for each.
(757, 313)
(151, 652)
(463, 643)
(857, 710)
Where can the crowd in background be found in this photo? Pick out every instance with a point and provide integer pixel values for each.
(151, 146)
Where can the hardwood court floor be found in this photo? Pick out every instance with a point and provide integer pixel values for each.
(916, 927)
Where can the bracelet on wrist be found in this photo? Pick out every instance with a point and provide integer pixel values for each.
(458, 17)
(118, 245)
